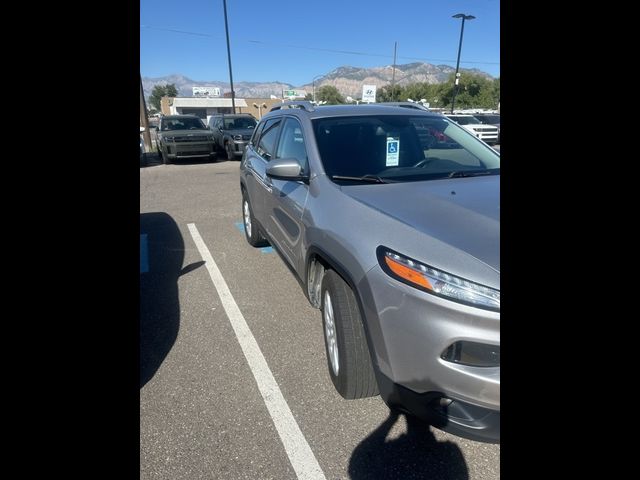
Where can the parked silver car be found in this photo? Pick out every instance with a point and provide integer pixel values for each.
(390, 217)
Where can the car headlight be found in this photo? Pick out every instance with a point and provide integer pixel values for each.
(437, 282)
(237, 137)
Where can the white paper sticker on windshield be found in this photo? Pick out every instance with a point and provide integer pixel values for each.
(393, 151)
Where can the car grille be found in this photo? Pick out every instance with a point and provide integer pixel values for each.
(191, 148)
(190, 139)
(486, 129)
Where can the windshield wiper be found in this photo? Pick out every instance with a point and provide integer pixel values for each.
(469, 173)
(364, 178)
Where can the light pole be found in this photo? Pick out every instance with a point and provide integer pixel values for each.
(260, 107)
(226, 28)
(314, 87)
(455, 87)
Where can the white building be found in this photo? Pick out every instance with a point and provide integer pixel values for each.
(201, 106)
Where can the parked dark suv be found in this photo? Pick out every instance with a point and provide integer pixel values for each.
(390, 218)
(183, 136)
(231, 132)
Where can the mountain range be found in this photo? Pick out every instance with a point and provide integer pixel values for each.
(347, 79)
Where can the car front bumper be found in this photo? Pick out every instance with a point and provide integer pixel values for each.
(190, 150)
(238, 147)
(409, 330)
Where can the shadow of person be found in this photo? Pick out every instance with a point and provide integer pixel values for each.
(162, 247)
(414, 454)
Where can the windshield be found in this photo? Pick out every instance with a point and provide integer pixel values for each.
(182, 124)
(398, 148)
(489, 118)
(239, 123)
(465, 120)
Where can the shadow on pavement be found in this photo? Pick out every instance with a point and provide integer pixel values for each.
(159, 301)
(153, 159)
(415, 454)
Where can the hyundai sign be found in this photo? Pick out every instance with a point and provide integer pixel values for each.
(369, 93)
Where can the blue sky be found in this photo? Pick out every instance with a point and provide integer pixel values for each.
(292, 42)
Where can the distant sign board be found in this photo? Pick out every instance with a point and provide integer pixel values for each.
(369, 93)
(294, 94)
(206, 91)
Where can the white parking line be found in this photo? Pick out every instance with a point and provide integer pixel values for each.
(300, 455)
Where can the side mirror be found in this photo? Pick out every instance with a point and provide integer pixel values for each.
(285, 169)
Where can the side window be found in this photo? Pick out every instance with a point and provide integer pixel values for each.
(291, 144)
(267, 142)
(256, 134)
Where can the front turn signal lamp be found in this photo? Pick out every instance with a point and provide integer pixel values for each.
(437, 282)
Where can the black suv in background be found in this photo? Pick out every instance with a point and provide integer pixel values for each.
(183, 136)
(231, 132)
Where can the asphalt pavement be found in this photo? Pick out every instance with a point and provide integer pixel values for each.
(203, 412)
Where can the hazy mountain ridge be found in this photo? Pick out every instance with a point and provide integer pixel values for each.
(347, 79)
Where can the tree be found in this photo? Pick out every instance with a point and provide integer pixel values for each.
(329, 94)
(474, 91)
(160, 91)
(387, 94)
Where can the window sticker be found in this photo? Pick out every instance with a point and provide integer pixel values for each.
(393, 151)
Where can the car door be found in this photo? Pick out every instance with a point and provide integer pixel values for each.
(285, 204)
(215, 130)
(256, 161)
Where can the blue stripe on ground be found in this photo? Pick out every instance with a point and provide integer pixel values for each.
(240, 226)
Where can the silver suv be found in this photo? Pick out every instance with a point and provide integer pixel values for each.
(390, 217)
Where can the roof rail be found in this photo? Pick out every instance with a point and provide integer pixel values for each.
(303, 104)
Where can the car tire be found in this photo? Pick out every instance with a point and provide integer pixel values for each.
(348, 357)
(163, 156)
(251, 230)
(227, 148)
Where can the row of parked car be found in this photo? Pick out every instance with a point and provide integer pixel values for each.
(187, 136)
(484, 125)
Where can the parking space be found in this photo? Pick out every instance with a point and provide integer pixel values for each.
(234, 380)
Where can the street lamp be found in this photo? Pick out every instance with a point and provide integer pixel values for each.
(226, 28)
(314, 87)
(260, 107)
(455, 87)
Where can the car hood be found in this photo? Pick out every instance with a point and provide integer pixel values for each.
(462, 212)
(479, 125)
